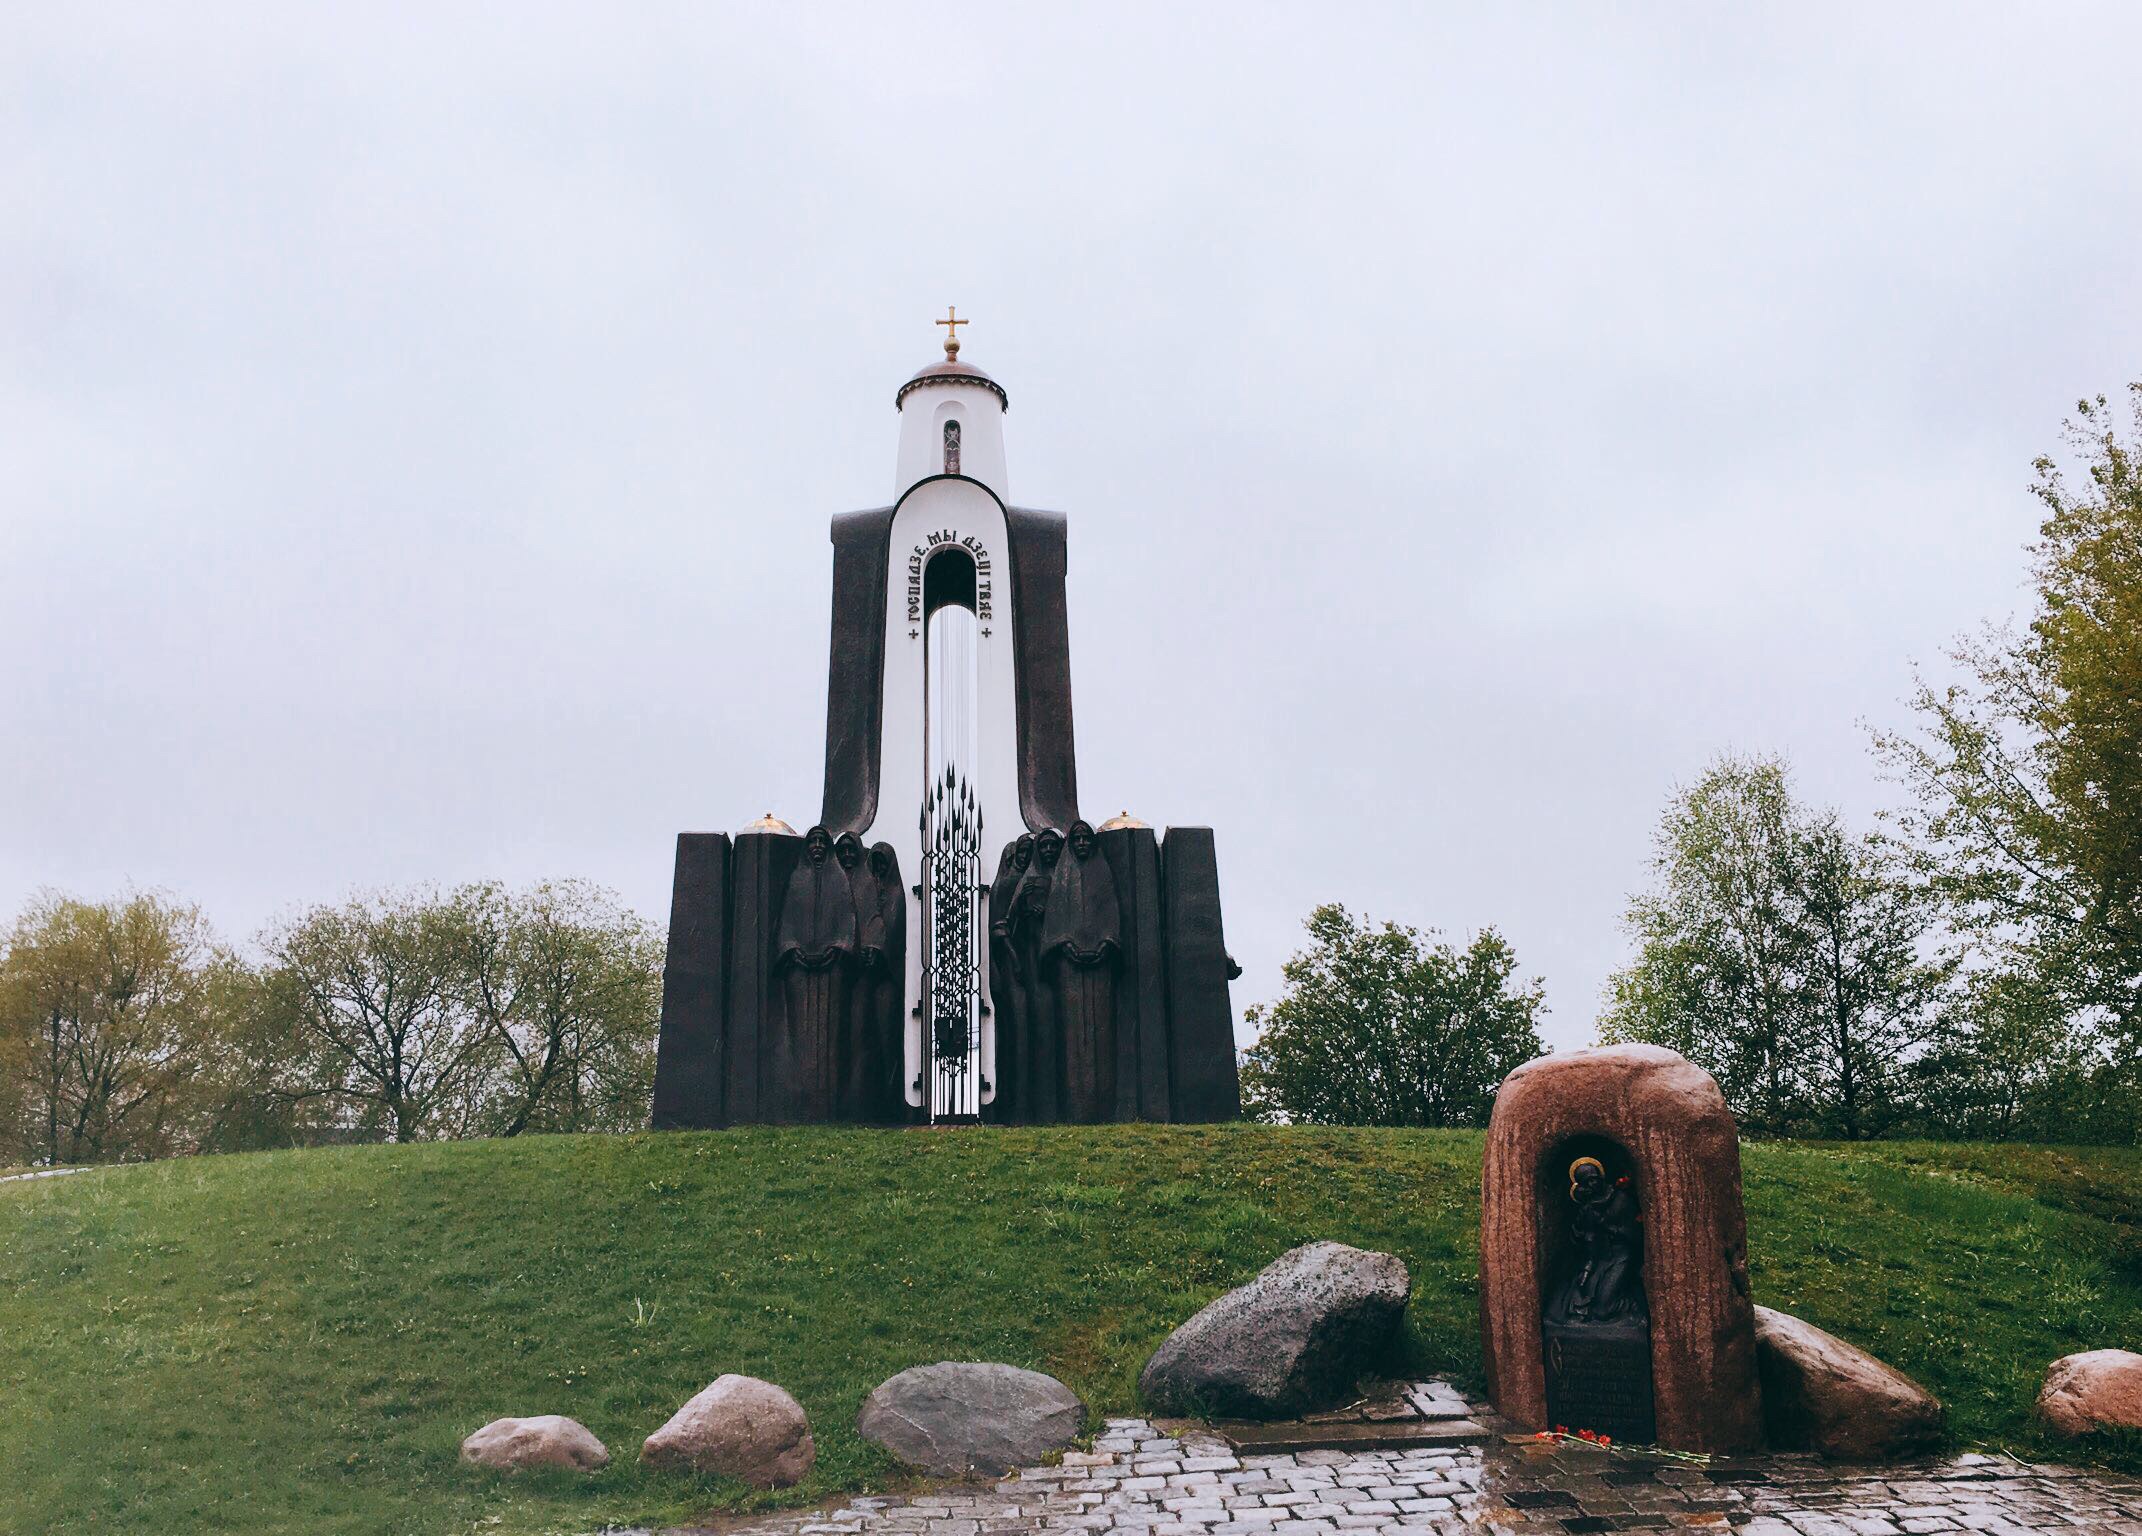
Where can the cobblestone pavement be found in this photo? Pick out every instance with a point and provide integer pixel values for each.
(1141, 1481)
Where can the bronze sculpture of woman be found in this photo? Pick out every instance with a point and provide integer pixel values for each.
(1607, 1286)
(1039, 1088)
(884, 946)
(864, 1073)
(1081, 941)
(814, 954)
(1006, 1000)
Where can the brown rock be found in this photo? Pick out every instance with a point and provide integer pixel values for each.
(1821, 1394)
(1671, 1120)
(2098, 1389)
(547, 1440)
(739, 1427)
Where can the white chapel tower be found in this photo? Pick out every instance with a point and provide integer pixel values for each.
(951, 941)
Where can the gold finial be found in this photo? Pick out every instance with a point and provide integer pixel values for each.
(950, 321)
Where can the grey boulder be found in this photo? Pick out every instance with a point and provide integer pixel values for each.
(957, 1417)
(1292, 1341)
(739, 1427)
(547, 1440)
(1821, 1394)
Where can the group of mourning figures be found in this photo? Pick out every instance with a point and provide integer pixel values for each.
(1054, 947)
(837, 953)
(1055, 943)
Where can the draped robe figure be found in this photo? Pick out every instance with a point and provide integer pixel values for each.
(814, 954)
(1607, 1286)
(882, 991)
(1039, 1088)
(852, 1064)
(1006, 988)
(1081, 943)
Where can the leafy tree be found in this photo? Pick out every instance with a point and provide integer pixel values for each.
(2026, 776)
(1378, 1026)
(484, 1012)
(105, 1014)
(567, 984)
(1717, 940)
(1997, 1061)
(1871, 991)
(1779, 953)
(362, 1010)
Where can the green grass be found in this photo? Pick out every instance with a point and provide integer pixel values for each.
(298, 1341)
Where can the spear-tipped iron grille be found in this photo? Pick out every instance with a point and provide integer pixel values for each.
(952, 891)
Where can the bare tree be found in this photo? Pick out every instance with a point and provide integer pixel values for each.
(365, 999)
(568, 986)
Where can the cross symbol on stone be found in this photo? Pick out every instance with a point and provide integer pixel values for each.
(913, 634)
(985, 631)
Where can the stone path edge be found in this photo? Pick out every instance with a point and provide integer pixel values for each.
(1141, 1479)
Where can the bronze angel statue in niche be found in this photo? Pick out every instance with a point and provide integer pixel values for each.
(1607, 1285)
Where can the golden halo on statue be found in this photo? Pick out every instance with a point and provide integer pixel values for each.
(1579, 1163)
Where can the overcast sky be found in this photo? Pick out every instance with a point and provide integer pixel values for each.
(418, 427)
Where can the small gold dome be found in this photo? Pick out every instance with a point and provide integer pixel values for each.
(769, 823)
(1119, 820)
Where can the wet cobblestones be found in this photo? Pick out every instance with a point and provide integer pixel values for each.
(1141, 1481)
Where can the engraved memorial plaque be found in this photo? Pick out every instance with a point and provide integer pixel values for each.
(1599, 1378)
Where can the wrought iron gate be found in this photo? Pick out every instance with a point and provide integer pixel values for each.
(955, 929)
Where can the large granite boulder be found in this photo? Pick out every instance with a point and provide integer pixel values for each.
(1292, 1341)
(1668, 1119)
(739, 1427)
(961, 1416)
(2097, 1389)
(1821, 1394)
(547, 1440)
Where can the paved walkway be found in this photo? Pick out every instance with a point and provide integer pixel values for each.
(1140, 1481)
(41, 1173)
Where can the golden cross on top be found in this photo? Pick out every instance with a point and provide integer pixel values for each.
(951, 320)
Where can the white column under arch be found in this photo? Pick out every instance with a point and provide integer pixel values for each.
(934, 514)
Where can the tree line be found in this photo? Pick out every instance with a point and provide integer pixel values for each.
(130, 1030)
(1969, 967)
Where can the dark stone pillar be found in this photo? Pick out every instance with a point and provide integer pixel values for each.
(1133, 855)
(1048, 771)
(763, 862)
(688, 1054)
(1201, 1021)
(856, 673)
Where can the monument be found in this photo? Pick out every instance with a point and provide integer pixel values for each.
(952, 940)
(1613, 1253)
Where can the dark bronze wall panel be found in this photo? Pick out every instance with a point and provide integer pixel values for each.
(1201, 1022)
(1133, 856)
(688, 1056)
(764, 861)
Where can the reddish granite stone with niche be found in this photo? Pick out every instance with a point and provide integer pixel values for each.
(1658, 1117)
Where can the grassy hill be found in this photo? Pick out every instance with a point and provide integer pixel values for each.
(298, 1341)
